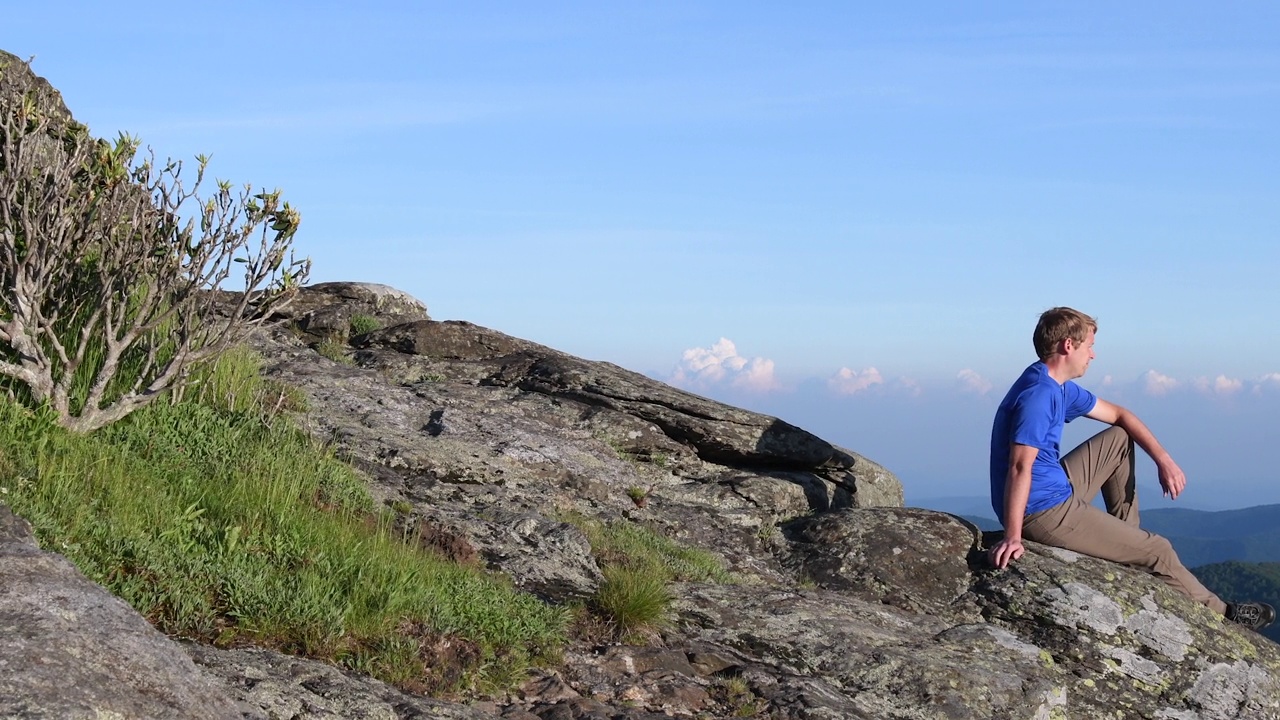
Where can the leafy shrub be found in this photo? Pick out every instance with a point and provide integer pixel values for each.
(111, 264)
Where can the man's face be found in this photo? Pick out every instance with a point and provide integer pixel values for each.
(1079, 355)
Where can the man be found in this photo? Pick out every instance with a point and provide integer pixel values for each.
(1040, 497)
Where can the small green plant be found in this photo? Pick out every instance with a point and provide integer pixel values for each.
(638, 565)
(402, 507)
(361, 323)
(738, 697)
(335, 349)
(618, 449)
(639, 495)
(626, 543)
(768, 532)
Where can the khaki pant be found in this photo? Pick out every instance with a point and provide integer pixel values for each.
(1105, 463)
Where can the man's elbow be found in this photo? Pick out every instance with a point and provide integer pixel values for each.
(1123, 417)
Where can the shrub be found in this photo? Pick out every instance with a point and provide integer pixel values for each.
(111, 264)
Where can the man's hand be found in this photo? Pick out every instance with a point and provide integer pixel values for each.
(1005, 551)
(1172, 479)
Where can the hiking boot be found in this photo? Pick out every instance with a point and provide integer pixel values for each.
(1253, 615)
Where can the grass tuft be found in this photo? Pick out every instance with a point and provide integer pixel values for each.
(361, 323)
(633, 599)
(638, 566)
(335, 348)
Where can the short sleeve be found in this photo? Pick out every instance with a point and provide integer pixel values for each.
(1032, 419)
(1079, 401)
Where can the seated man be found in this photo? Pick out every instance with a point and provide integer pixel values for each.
(1039, 497)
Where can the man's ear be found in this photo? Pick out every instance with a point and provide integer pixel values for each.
(1066, 345)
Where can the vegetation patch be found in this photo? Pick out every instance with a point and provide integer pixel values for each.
(362, 323)
(219, 520)
(737, 696)
(335, 348)
(639, 495)
(638, 566)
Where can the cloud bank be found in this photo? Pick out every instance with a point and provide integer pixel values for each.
(720, 364)
(971, 382)
(851, 382)
(1156, 384)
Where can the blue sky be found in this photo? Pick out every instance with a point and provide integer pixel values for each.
(848, 217)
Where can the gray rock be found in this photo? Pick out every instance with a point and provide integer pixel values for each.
(69, 649)
(324, 310)
(272, 686)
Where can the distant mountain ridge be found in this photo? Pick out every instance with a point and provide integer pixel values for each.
(1201, 537)
(1248, 535)
(1237, 581)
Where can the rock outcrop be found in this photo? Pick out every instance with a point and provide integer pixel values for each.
(845, 604)
(70, 649)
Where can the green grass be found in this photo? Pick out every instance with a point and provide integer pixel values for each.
(628, 544)
(638, 565)
(221, 522)
(361, 323)
(633, 599)
(335, 348)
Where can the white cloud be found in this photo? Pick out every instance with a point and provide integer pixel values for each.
(1270, 381)
(849, 382)
(1154, 383)
(908, 386)
(757, 376)
(971, 381)
(701, 367)
(1107, 381)
(1221, 385)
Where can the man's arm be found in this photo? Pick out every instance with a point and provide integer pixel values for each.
(1172, 479)
(1017, 488)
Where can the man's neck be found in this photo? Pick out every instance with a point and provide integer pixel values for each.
(1058, 370)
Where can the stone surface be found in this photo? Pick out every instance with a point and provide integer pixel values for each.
(69, 649)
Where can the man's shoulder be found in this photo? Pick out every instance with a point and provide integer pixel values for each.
(1034, 381)
(1034, 391)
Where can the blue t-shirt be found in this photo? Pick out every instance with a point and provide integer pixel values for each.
(1033, 413)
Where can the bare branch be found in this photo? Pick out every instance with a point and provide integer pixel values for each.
(113, 264)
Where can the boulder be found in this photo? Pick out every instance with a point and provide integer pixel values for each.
(70, 649)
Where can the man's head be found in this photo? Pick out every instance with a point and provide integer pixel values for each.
(1058, 325)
